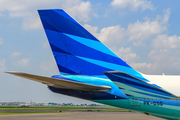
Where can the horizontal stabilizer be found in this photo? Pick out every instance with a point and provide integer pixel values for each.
(135, 87)
(61, 83)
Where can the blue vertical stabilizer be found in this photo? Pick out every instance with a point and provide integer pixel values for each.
(77, 51)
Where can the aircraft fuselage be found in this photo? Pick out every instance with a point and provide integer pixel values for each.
(114, 97)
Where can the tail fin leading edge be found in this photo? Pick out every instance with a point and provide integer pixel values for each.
(77, 51)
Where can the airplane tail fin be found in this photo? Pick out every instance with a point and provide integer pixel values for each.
(77, 51)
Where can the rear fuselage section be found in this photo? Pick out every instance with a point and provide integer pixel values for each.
(164, 108)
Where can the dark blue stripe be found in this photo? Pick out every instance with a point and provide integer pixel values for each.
(48, 26)
(64, 14)
(64, 24)
(66, 70)
(57, 49)
(88, 95)
(126, 81)
(172, 102)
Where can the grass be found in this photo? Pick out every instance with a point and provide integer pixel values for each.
(53, 107)
(9, 110)
(23, 113)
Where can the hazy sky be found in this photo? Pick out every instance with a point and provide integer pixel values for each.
(146, 34)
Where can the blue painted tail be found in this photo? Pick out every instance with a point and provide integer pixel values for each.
(77, 51)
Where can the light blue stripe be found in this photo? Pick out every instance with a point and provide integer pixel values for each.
(157, 96)
(63, 73)
(112, 66)
(93, 44)
(129, 87)
(151, 91)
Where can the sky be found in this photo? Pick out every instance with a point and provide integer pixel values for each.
(144, 33)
